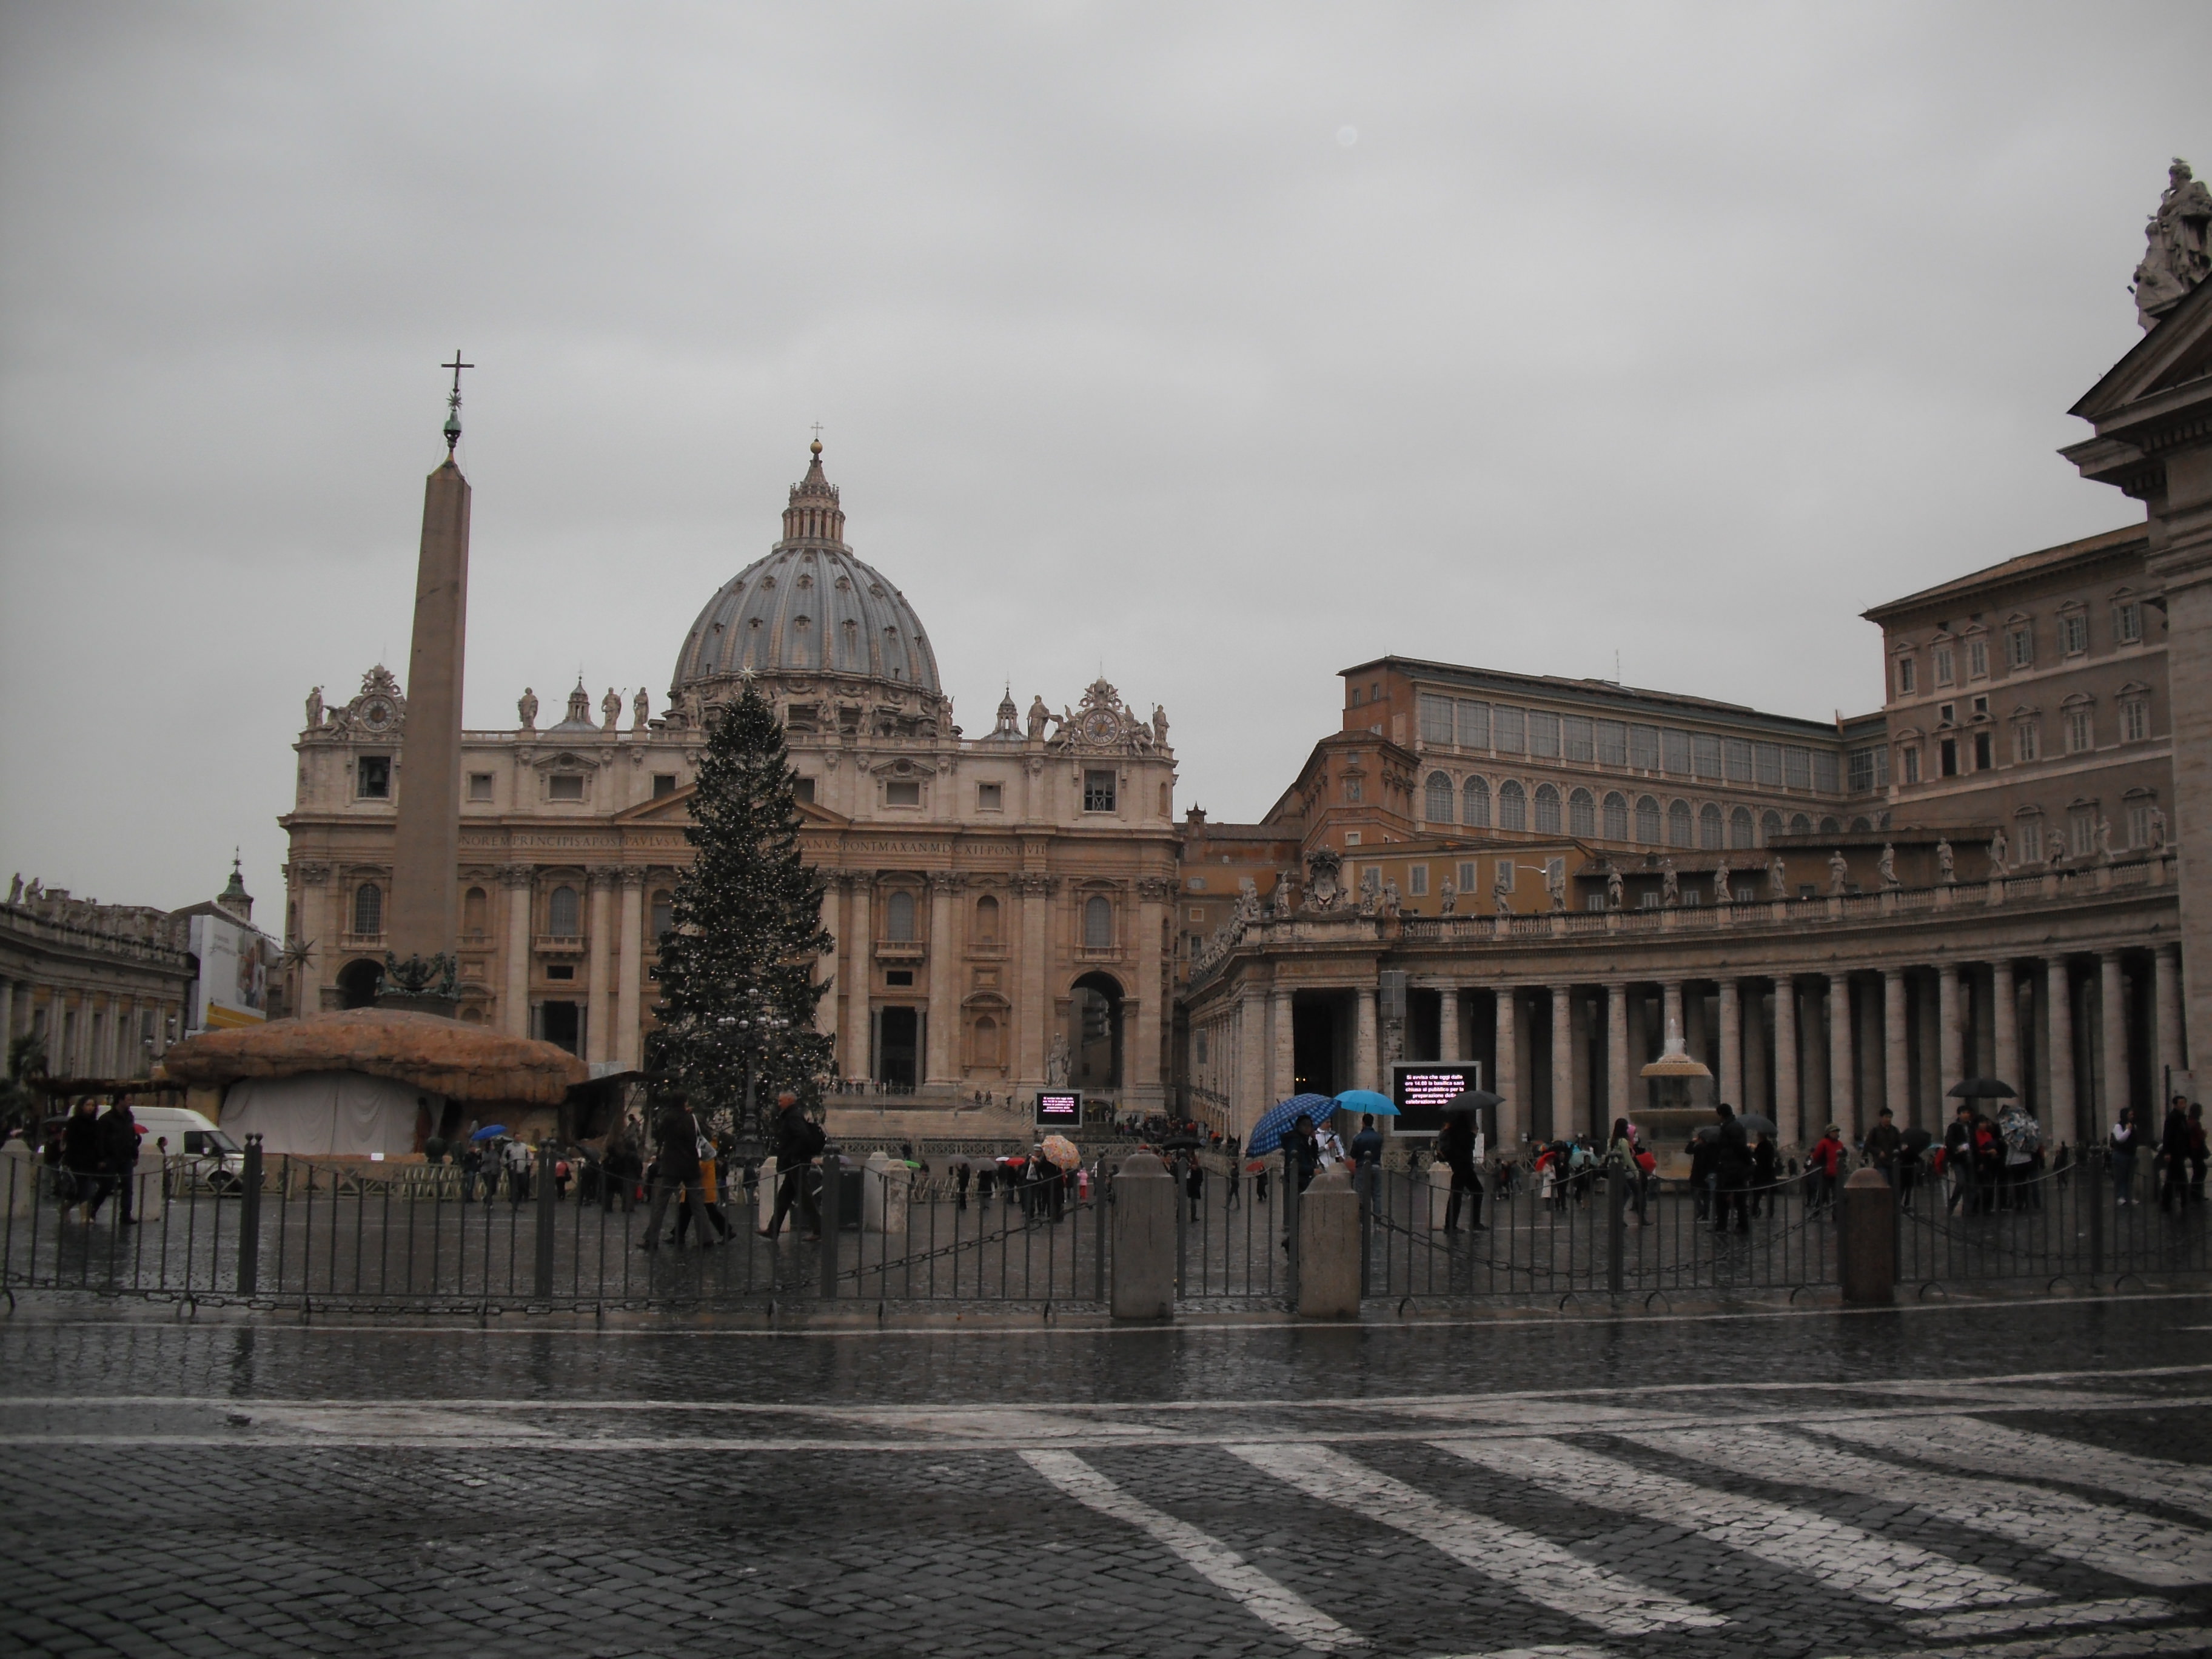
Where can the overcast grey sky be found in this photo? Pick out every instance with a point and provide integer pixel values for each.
(1223, 346)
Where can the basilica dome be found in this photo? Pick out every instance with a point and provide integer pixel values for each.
(809, 608)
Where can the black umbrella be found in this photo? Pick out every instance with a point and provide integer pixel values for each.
(1473, 1100)
(1916, 1139)
(1982, 1088)
(1707, 1132)
(1181, 1144)
(1757, 1123)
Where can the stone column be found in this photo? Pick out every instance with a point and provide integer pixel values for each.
(1843, 1082)
(6, 1015)
(1730, 1078)
(860, 976)
(1252, 1047)
(629, 1044)
(2004, 1023)
(1949, 1044)
(1563, 1060)
(2112, 1057)
(2172, 1056)
(1153, 893)
(599, 1015)
(1896, 1074)
(943, 985)
(1617, 1068)
(1366, 1052)
(514, 1002)
(1512, 1117)
(1789, 1108)
(2066, 1114)
(1282, 1058)
(1448, 1012)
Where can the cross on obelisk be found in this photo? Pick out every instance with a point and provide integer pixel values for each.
(453, 402)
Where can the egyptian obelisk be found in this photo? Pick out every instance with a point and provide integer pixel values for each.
(422, 932)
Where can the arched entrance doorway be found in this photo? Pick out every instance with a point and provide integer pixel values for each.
(1094, 1037)
(357, 983)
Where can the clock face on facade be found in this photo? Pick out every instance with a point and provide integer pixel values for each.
(376, 714)
(1100, 727)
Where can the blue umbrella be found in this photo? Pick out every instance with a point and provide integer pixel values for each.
(1267, 1134)
(489, 1132)
(1366, 1100)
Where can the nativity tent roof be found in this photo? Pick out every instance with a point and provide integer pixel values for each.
(443, 1056)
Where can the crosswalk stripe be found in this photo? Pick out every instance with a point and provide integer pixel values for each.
(2090, 1645)
(2151, 1479)
(1530, 1565)
(1556, 1651)
(1260, 1595)
(1843, 1557)
(2064, 1615)
(2126, 1544)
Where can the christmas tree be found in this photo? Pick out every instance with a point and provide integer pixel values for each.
(737, 966)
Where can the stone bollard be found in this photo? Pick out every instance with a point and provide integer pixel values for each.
(1143, 1224)
(1866, 1248)
(1440, 1180)
(19, 1178)
(1329, 1247)
(764, 1193)
(883, 1183)
(147, 1198)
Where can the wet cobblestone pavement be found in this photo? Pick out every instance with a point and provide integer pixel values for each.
(2005, 1478)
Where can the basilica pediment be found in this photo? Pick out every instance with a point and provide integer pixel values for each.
(2172, 363)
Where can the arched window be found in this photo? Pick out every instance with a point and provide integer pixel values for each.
(1097, 923)
(1680, 825)
(1862, 824)
(1739, 830)
(1771, 825)
(987, 920)
(561, 917)
(1647, 821)
(369, 909)
(1548, 809)
(898, 917)
(1709, 827)
(1616, 816)
(1512, 805)
(1800, 824)
(1582, 813)
(664, 915)
(1437, 808)
(1829, 826)
(1475, 798)
(476, 913)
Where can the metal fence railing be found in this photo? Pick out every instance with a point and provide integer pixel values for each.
(1038, 1235)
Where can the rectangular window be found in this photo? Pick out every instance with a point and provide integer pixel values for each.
(373, 777)
(990, 797)
(1908, 676)
(1351, 838)
(1474, 725)
(2027, 741)
(903, 792)
(1707, 749)
(1978, 660)
(1947, 753)
(1509, 729)
(1579, 738)
(1436, 721)
(2138, 823)
(1648, 902)
(1417, 880)
(1643, 748)
(2135, 720)
(2020, 647)
(2127, 625)
(2081, 729)
(479, 786)
(1984, 756)
(1677, 746)
(1796, 766)
(1944, 674)
(2081, 830)
(2074, 633)
(803, 789)
(1612, 743)
(1544, 733)
(664, 783)
(1766, 762)
(1735, 758)
(1908, 764)
(1098, 791)
(1862, 772)
(1466, 877)
(1827, 772)
(565, 785)
(2031, 841)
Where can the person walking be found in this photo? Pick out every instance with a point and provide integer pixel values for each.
(798, 1141)
(2125, 1144)
(118, 1133)
(1731, 1173)
(1765, 1163)
(1193, 1181)
(516, 1155)
(675, 1170)
(1455, 1148)
(1882, 1143)
(1959, 1156)
(1824, 1167)
(2173, 1146)
(2022, 1139)
(960, 1175)
(84, 1157)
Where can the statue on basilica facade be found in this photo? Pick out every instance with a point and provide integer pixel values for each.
(1945, 870)
(1501, 888)
(641, 707)
(315, 710)
(1998, 849)
(1721, 877)
(2178, 254)
(610, 710)
(1390, 902)
(1840, 873)
(1056, 1063)
(2157, 826)
(1555, 882)
(1670, 885)
(15, 889)
(1247, 899)
(1778, 877)
(1159, 726)
(1616, 890)
(527, 708)
(1039, 716)
(1447, 898)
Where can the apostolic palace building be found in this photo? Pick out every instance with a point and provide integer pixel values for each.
(2003, 867)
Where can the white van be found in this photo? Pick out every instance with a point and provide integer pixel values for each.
(199, 1152)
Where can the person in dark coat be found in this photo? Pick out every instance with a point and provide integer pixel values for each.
(1303, 1147)
(1455, 1148)
(675, 1168)
(1731, 1173)
(1193, 1181)
(1765, 1165)
(2174, 1148)
(1366, 1148)
(1704, 1157)
(794, 1157)
(84, 1155)
(118, 1134)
